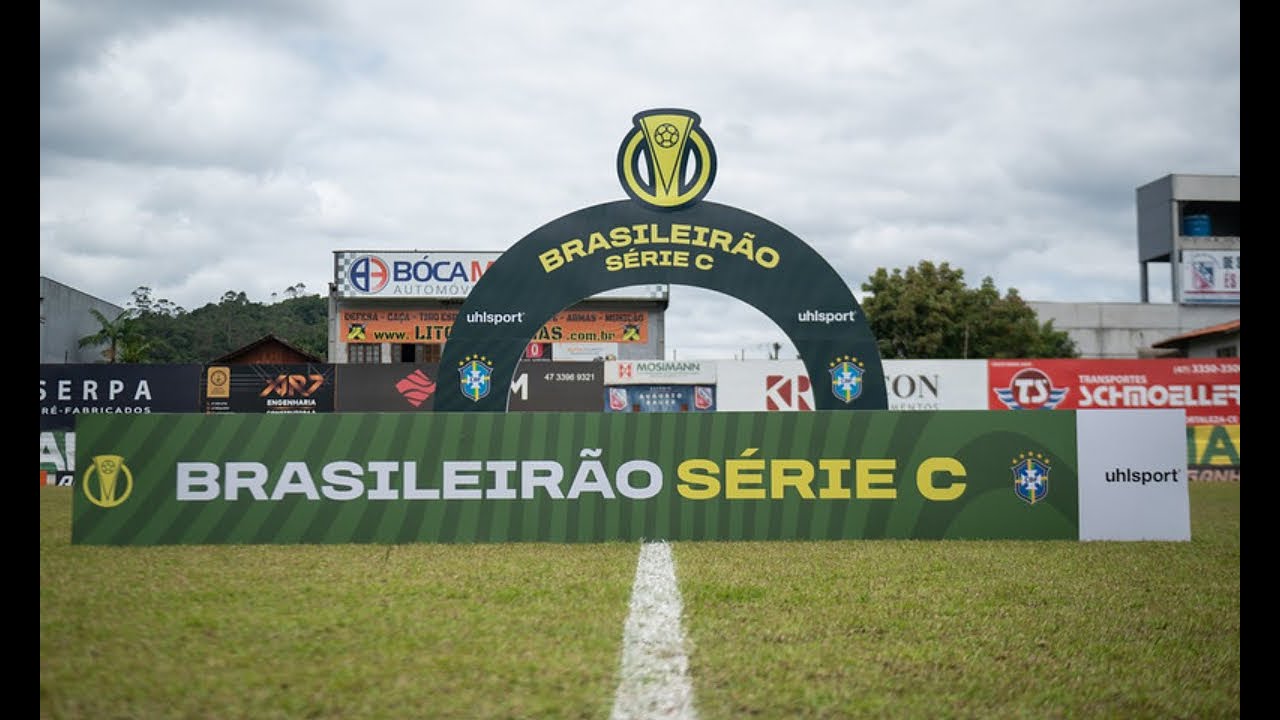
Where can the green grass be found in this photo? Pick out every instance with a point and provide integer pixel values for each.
(841, 629)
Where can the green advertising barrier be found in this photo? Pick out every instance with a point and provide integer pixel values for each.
(573, 477)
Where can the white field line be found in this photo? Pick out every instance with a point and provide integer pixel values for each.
(654, 677)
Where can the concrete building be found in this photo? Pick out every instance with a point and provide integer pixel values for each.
(1191, 222)
(65, 318)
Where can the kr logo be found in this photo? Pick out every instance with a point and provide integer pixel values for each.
(785, 392)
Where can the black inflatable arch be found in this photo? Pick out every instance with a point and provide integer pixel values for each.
(624, 243)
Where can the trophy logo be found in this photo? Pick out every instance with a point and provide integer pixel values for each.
(106, 492)
(666, 161)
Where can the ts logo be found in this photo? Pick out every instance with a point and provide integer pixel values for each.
(1031, 389)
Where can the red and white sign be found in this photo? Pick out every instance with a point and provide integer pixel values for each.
(1208, 389)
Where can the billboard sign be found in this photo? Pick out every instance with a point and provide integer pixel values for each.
(1210, 277)
(660, 372)
(67, 390)
(1208, 390)
(783, 385)
(597, 477)
(660, 398)
(268, 388)
(414, 275)
(371, 325)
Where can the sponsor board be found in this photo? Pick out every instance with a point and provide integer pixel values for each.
(539, 386)
(268, 388)
(660, 372)
(57, 457)
(67, 390)
(660, 398)
(1133, 480)
(584, 352)
(591, 477)
(381, 387)
(1207, 390)
(556, 387)
(1210, 277)
(1213, 446)
(783, 385)
(434, 326)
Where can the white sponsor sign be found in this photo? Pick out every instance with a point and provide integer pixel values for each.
(1210, 277)
(754, 385)
(584, 352)
(660, 372)
(1133, 475)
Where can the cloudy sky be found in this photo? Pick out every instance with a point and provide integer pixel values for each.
(200, 147)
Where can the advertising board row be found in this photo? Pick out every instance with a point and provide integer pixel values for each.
(594, 477)
(1208, 391)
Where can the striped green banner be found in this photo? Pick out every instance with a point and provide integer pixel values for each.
(573, 477)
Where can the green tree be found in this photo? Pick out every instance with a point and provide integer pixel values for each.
(927, 312)
(115, 335)
(175, 335)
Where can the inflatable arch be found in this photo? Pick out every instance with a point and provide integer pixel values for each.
(666, 234)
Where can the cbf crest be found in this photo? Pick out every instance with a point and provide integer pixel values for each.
(475, 375)
(846, 377)
(1031, 477)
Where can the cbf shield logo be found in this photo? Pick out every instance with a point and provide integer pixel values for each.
(666, 161)
(846, 378)
(1031, 477)
(475, 372)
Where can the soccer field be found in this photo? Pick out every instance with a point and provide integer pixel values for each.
(828, 629)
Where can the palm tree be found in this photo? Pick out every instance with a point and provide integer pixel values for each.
(134, 348)
(113, 333)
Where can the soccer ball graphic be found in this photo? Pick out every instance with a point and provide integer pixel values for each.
(666, 135)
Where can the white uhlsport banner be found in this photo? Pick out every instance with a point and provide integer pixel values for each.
(1133, 475)
(754, 385)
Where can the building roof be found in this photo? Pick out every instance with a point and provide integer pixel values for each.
(267, 339)
(1226, 328)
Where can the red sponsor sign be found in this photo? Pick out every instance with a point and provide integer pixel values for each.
(1208, 389)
